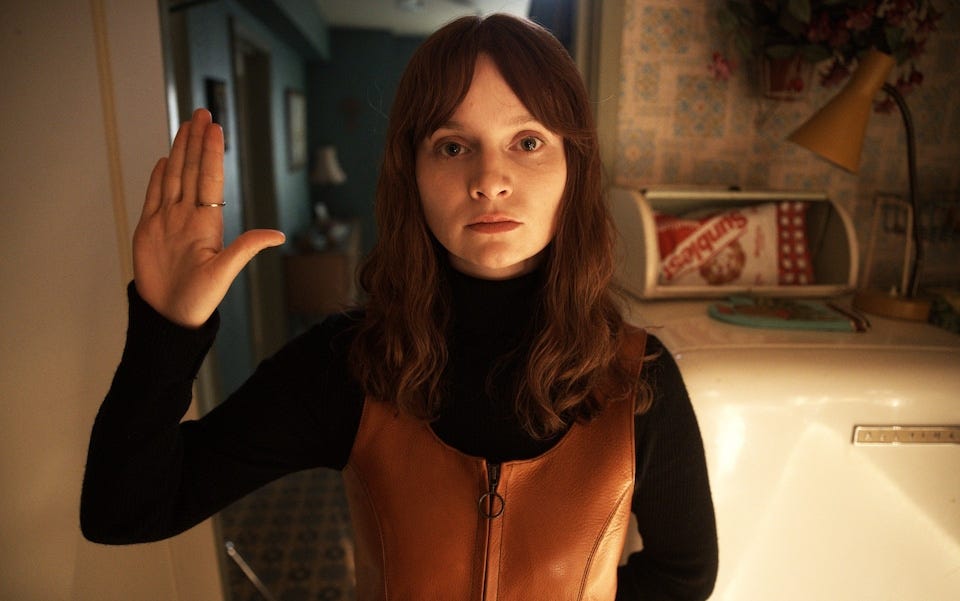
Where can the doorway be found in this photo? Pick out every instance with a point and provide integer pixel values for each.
(251, 64)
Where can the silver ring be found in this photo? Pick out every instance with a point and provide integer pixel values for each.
(211, 204)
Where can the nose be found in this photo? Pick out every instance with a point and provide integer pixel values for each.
(491, 179)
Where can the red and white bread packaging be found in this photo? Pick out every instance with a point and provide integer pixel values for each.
(756, 245)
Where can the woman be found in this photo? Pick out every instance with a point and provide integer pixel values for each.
(495, 418)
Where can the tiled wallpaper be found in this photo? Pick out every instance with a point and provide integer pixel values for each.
(678, 124)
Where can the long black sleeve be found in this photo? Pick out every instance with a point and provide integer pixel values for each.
(149, 476)
(671, 498)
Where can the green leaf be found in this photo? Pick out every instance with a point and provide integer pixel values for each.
(814, 53)
(726, 21)
(780, 51)
(800, 10)
(740, 10)
(894, 37)
(792, 25)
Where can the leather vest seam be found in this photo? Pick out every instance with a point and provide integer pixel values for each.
(384, 560)
(357, 475)
(596, 544)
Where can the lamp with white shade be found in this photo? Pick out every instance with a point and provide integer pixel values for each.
(326, 172)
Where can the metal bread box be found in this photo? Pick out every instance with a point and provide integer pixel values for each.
(719, 242)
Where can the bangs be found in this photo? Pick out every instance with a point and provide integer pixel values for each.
(541, 73)
(533, 63)
(437, 79)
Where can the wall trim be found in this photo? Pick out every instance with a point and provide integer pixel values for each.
(112, 136)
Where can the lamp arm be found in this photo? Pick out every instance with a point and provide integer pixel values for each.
(914, 276)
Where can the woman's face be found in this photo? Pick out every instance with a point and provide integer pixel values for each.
(491, 180)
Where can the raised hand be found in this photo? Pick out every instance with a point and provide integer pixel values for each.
(180, 265)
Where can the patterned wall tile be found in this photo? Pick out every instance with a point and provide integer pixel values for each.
(636, 154)
(756, 175)
(928, 123)
(672, 165)
(679, 125)
(646, 81)
(700, 108)
(666, 29)
(715, 171)
(805, 180)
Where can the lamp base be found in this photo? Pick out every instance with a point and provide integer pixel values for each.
(877, 302)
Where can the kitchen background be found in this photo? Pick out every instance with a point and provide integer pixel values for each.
(679, 124)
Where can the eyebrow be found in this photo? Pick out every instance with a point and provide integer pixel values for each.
(521, 119)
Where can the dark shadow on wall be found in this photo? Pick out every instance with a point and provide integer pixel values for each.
(350, 100)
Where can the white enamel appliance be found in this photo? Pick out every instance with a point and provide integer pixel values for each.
(834, 457)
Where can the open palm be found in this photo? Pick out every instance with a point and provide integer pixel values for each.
(180, 265)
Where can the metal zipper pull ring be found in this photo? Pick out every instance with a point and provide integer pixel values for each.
(491, 503)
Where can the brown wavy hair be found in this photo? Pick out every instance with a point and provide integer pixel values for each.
(575, 364)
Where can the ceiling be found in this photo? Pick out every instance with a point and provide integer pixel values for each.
(421, 18)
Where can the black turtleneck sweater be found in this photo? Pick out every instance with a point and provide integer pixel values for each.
(150, 476)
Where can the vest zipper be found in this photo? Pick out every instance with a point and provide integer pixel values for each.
(491, 503)
(491, 507)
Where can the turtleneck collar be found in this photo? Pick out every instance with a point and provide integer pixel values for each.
(494, 308)
(493, 326)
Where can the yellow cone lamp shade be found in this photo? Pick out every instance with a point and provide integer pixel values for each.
(836, 133)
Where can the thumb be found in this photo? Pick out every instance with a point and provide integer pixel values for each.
(242, 250)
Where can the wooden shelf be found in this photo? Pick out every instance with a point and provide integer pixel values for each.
(319, 283)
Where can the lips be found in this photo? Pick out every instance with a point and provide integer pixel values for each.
(493, 224)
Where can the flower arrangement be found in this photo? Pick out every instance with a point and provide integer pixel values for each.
(838, 31)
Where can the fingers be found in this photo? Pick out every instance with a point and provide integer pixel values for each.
(183, 165)
(245, 247)
(192, 155)
(172, 178)
(151, 203)
(210, 182)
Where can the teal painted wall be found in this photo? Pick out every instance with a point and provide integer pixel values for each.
(208, 31)
(350, 98)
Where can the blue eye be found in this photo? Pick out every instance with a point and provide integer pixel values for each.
(529, 144)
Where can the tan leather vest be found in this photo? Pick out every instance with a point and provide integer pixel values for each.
(434, 524)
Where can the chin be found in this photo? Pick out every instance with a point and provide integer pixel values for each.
(498, 269)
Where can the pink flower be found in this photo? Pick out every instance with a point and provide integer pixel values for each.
(916, 47)
(839, 38)
(910, 82)
(860, 19)
(836, 73)
(916, 77)
(721, 68)
(819, 29)
(895, 18)
(929, 24)
(884, 106)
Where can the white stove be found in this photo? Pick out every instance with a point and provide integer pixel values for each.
(834, 457)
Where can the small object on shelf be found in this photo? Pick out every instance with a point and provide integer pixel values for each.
(892, 304)
(821, 238)
(324, 281)
(945, 312)
(785, 78)
(325, 233)
(787, 314)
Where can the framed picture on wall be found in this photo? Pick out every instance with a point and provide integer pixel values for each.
(216, 90)
(296, 130)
